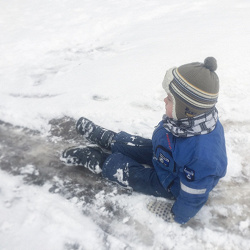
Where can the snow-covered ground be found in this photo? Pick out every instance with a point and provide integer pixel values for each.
(106, 60)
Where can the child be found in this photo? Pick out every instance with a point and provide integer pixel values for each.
(185, 158)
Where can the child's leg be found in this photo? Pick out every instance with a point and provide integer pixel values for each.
(135, 147)
(95, 133)
(125, 171)
(88, 157)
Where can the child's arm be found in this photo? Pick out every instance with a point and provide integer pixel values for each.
(193, 195)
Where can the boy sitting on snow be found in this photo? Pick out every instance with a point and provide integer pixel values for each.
(185, 158)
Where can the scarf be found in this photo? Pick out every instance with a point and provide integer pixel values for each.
(187, 127)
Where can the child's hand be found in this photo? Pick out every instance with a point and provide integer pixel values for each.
(161, 209)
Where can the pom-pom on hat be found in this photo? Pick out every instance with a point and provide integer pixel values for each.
(194, 88)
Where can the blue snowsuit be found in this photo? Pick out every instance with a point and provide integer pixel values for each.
(184, 169)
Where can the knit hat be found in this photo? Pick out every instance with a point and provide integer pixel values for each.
(193, 87)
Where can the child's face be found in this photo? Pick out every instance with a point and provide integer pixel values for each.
(169, 106)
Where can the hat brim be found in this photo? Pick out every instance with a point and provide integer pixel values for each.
(168, 78)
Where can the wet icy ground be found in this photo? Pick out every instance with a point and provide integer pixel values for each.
(105, 60)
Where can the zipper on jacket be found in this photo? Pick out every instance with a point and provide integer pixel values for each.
(161, 147)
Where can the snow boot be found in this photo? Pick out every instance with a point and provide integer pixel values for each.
(95, 133)
(89, 157)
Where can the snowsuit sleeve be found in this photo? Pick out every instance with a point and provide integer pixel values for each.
(194, 192)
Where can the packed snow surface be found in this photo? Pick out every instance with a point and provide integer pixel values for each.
(106, 60)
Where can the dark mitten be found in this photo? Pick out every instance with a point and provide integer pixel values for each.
(161, 209)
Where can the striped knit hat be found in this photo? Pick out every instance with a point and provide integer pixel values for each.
(193, 87)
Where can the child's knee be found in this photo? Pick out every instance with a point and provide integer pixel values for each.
(115, 168)
(123, 142)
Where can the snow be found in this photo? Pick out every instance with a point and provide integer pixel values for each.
(119, 176)
(30, 216)
(105, 60)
